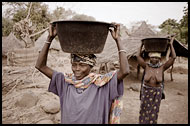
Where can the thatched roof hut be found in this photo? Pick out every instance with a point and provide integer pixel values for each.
(180, 49)
(10, 43)
(143, 31)
(13, 49)
(41, 40)
(132, 44)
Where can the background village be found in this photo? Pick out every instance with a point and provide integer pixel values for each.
(25, 99)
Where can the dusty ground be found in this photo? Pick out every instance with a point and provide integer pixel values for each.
(173, 109)
(25, 95)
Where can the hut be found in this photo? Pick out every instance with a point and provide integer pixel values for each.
(9, 43)
(55, 54)
(55, 45)
(15, 53)
(132, 44)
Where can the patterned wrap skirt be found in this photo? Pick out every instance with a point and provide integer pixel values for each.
(150, 103)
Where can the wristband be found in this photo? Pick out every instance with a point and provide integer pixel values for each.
(47, 42)
(122, 51)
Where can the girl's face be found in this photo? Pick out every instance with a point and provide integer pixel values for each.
(154, 60)
(80, 70)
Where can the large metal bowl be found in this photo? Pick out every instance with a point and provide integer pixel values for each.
(155, 44)
(84, 37)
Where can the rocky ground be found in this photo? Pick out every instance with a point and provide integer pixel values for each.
(25, 99)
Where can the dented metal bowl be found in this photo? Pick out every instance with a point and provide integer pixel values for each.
(83, 37)
(155, 44)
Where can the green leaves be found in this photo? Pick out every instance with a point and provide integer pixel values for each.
(171, 26)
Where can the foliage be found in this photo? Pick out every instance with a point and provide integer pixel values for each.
(17, 11)
(83, 17)
(61, 14)
(40, 16)
(171, 26)
(7, 26)
(184, 25)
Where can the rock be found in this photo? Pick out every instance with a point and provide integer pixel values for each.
(10, 121)
(57, 117)
(46, 121)
(6, 113)
(52, 106)
(135, 87)
(27, 100)
(179, 93)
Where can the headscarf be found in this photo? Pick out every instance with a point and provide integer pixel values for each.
(89, 59)
(154, 54)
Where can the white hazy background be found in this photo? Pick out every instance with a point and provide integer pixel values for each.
(155, 13)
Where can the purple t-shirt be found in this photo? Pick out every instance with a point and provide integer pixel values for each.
(91, 106)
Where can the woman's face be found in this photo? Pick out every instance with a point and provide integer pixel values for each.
(154, 60)
(80, 70)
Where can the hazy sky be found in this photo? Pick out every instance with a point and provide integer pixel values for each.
(126, 12)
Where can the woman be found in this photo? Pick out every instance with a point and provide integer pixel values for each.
(152, 84)
(86, 97)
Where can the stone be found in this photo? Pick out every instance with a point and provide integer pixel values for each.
(27, 100)
(52, 106)
(135, 87)
(57, 117)
(45, 121)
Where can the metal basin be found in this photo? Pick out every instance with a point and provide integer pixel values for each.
(84, 37)
(155, 44)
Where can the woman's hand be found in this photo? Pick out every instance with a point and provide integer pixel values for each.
(116, 32)
(52, 32)
(142, 47)
(172, 39)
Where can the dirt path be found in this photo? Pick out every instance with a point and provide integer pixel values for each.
(173, 110)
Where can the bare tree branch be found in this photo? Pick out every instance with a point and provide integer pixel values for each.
(38, 32)
(29, 10)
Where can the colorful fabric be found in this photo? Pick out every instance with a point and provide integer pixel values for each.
(150, 104)
(115, 111)
(84, 58)
(99, 80)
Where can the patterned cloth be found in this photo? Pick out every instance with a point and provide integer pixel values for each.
(89, 59)
(99, 80)
(150, 104)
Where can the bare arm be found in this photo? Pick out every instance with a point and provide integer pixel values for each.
(171, 60)
(124, 66)
(42, 58)
(140, 60)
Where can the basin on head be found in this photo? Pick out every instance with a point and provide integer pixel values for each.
(84, 37)
(155, 44)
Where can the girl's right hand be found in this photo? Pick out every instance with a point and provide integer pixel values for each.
(52, 32)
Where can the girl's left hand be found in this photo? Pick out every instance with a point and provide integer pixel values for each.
(116, 32)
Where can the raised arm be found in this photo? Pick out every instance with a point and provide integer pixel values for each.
(140, 60)
(42, 58)
(124, 66)
(171, 60)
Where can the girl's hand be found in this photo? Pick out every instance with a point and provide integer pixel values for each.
(116, 32)
(52, 32)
